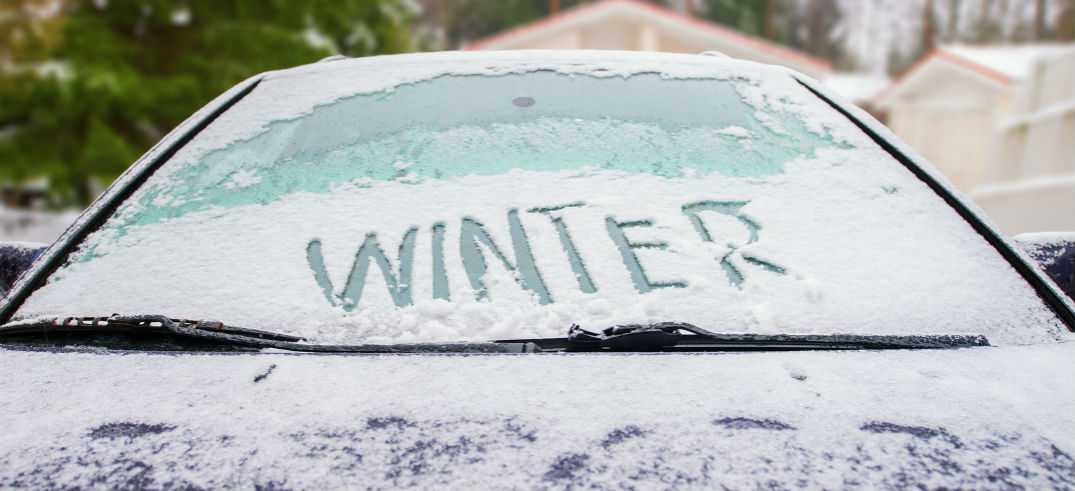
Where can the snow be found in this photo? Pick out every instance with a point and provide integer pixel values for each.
(1045, 238)
(1015, 61)
(242, 178)
(857, 87)
(979, 418)
(736, 131)
(131, 174)
(918, 161)
(33, 225)
(1046, 247)
(874, 33)
(384, 73)
(846, 241)
(317, 39)
(23, 245)
(181, 16)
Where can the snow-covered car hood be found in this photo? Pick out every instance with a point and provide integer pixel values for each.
(981, 418)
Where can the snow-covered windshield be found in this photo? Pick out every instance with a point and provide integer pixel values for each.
(506, 205)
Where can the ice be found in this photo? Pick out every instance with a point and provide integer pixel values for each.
(519, 228)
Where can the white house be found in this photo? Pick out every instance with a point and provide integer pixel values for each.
(641, 26)
(1028, 182)
(948, 104)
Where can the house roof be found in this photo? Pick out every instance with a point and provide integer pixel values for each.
(857, 87)
(1014, 62)
(597, 11)
(1000, 66)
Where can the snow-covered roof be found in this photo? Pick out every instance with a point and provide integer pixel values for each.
(1013, 62)
(669, 22)
(998, 66)
(857, 87)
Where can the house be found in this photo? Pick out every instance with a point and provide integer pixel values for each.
(1028, 183)
(640, 26)
(949, 103)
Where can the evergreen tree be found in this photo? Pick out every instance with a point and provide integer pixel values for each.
(746, 16)
(125, 72)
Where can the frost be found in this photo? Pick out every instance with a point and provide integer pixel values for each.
(375, 207)
(736, 131)
(242, 178)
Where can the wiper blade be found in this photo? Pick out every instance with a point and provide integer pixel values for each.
(666, 336)
(217, 334)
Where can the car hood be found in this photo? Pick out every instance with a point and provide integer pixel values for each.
(994, 417)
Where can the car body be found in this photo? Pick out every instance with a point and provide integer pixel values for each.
(1055, 254)
(15, 258)
(528, 191)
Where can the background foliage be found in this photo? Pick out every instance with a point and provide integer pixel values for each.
(87, 87)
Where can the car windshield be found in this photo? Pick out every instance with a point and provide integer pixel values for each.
(345, 205)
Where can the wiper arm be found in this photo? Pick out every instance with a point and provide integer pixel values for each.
(666, 336)
(218, 334)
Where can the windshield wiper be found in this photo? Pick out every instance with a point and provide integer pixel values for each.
(158, 332)
(666, 336)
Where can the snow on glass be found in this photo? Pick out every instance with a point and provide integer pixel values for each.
(513, 201)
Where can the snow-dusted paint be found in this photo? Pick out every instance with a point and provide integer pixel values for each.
(979, 418)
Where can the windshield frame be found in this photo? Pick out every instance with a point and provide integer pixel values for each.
(105, 206)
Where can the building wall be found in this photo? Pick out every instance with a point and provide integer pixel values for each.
(638, 29)
(950, 121)
(957, 142)
(562, 39)
(635, 36)
(1029, 183)
(610, 36)
(671, 45)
